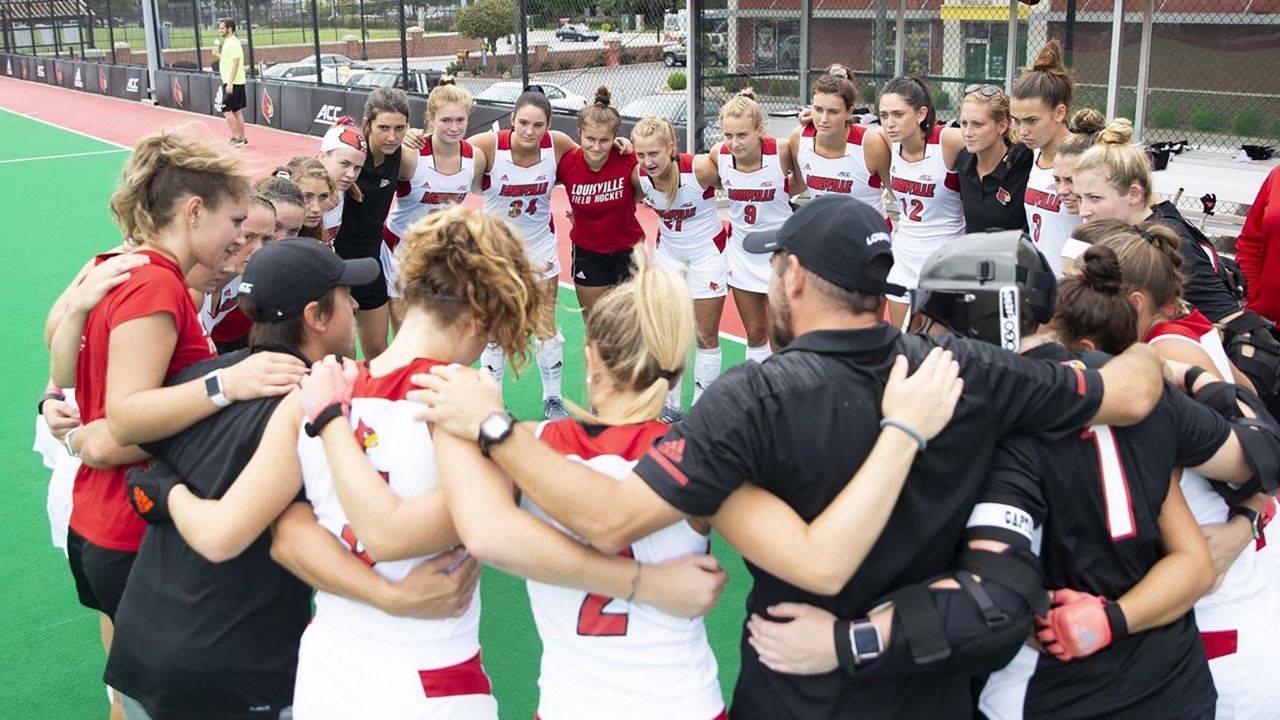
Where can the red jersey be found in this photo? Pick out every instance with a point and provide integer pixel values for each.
(603, 203)
(99, 509)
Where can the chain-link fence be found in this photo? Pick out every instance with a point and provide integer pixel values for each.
(1213, 76)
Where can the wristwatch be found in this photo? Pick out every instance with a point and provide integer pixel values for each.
(213, 389)
(494, 429)
(1254, 518)
(864, 638)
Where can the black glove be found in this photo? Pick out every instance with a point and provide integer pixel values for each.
(148, 491)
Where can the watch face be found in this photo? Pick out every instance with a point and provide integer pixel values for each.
(212, 386)
(866, 640)
(494, 425)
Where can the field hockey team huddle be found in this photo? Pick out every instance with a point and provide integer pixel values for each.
(221, 454)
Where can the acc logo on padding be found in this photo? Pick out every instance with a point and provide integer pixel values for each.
(329, 114)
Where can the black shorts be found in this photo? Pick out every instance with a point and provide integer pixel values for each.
(593, 269)
(373, 295)
(234, 100)
(100, 574)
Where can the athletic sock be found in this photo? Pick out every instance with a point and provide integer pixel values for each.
(550, 354)
(759, 354)
(674, 399)
(492, 360)
(706, 368)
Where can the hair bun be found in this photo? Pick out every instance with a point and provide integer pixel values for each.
(603, 96)
(1050, 59)
(747, 92)
(446, 80)
(839, 71)
(1101, 272)
(1087, 121)
(1117, 132)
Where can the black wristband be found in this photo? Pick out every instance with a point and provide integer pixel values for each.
(1116, 619)
(327, 415)
(1190, 377)
(48, 396)
(844, 646)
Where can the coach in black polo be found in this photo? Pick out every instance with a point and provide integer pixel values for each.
(195, 639)
(800, 425)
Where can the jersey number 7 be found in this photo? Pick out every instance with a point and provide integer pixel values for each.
(1115, 486)
(593, 621)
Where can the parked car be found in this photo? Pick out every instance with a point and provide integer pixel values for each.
(576, 33)
(336, 60)
(675, 107)
(305, 72)
(677, 54)
(505, 93)
(420, 81)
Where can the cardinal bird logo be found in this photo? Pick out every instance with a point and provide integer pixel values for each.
(267, 107)
(1003, 196)
(352, 137)
(366, 436)
(102, 81)
(177, 92)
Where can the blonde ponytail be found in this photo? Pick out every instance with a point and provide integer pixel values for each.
(642, 331)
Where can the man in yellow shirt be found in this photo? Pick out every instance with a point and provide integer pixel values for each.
(231, 64)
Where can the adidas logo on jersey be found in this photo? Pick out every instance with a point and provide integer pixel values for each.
(504, 178)
(385, 182)
(580, 275)
(673, 450)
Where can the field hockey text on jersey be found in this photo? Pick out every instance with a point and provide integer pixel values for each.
(600, 192)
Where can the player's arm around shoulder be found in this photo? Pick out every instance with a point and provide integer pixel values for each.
(705, 170)
(222, 529)
(952, 143)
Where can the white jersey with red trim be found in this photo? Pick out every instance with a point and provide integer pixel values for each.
(522, 195)
(215, 309)
(844, 175)
(605, 657)
(430, 190)
(758, 200)
(1048, 221)
(929, 197)
(399, 448)
(691, 221)
(1234, 619)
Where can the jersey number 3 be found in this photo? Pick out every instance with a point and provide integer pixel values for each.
(517, 208)
(1115, 486)
(593, 621)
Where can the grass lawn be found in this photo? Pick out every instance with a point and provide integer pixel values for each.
(185, 37)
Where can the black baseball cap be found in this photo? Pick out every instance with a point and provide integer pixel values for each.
(287, 274)
(839, 239)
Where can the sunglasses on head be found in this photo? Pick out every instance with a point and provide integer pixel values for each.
(983, 89)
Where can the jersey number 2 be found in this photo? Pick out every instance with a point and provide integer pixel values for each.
(1115, 486)
(593, 621)
(518, 208)
(914, 211)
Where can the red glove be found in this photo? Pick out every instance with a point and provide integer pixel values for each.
(1080, 625)
(326, 392)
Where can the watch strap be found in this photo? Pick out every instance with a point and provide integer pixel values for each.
(844, 646)
(1251, 515)
(49, 395)
(327, 415)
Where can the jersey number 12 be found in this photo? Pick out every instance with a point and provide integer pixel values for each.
(593, 621)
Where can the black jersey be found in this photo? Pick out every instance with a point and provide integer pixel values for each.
(1204, 285)
(360, 234)
(800, 425)
(195, 639)
(1094, 499)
